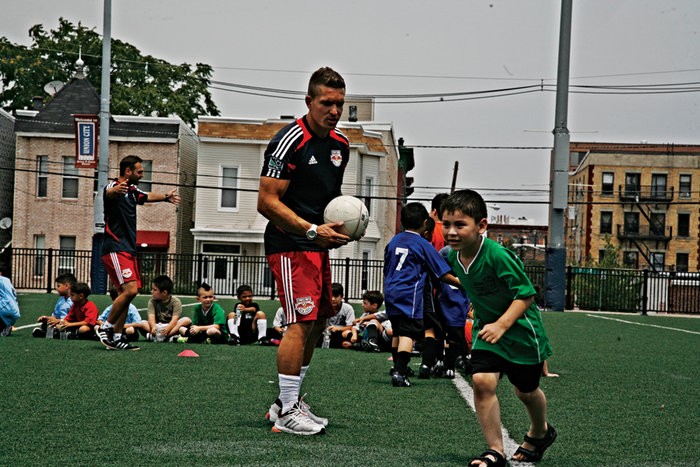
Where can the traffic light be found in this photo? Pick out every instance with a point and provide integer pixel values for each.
(407, 188)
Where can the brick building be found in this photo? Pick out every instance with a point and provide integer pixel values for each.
(642, 197)
(53, 203)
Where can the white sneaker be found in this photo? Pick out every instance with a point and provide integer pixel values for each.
(297, 422)
(307, 410)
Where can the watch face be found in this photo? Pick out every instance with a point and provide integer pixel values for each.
(311, 233)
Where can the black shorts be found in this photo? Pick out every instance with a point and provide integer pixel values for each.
(404, 326)
(432, 321)
(524, 377)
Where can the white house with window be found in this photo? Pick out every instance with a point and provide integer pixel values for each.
(227, 226)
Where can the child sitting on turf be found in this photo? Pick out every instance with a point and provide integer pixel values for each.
(82, 317)
(509, 337)
(373, 328)
(164, 311)
(133, 325)
(246, 324)
(209, 321)
(9, 307)
(408, 259)
(340, 325)
(63, 284)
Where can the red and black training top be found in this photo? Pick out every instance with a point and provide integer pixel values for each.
(315, 167)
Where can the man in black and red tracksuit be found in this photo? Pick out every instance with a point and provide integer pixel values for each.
(302, 172)
(121, 196)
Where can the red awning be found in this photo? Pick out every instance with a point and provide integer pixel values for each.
(152, 239)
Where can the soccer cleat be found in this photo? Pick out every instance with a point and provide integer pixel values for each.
(399, 381)
(307, 410)
(297, 422)
(449, 374)
(105, 337)
(6, 331)
(123, 344)
(233, 340)
(438, 369)
(424, 372)
(38, 332)
(182, 340)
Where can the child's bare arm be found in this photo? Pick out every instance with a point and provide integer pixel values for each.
(451, 279)
(492, 332)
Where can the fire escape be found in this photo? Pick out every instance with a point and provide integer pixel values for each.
(651, 202)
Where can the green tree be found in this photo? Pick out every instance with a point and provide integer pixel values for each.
(141, 84)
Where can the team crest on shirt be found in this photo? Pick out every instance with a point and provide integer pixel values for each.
(336, 157)
(126, 273)
(303, 305)
(275, 164)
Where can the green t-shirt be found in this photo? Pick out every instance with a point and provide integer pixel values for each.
(215, 315)
(492, 281)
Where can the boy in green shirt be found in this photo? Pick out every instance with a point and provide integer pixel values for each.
(508, 334)
(209, 320)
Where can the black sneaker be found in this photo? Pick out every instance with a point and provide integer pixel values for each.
(424, 371)
(38, 332)
(233, 340)
(105, 336)
(123, 344)
(399, 381)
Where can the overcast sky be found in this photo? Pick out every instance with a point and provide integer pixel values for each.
(432, 47)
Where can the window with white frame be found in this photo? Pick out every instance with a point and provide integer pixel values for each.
(228, 184)
(66, 255)
(146, 182)
(608, 184)
(368, 193)
(42, 176)
(70, 178)
(39, 259)
(684, 184)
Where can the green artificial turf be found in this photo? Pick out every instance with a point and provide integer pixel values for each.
(627, 395)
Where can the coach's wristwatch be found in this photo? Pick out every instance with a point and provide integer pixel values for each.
(311, 234)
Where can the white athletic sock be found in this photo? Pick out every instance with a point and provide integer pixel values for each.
(117, 336)
(262, 328)
(232, 327)
(107, 325)
(289, 391)
(302, 375)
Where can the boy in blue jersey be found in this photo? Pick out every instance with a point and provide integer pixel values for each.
(63, 284)
(408, 259)
(508, 335)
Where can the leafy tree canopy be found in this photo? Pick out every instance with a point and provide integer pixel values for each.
(141, 85)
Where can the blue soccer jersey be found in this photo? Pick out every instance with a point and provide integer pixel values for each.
(132, 316)
(408, 259)
(63, 304)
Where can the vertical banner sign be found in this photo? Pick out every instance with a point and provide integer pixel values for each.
(86, 128)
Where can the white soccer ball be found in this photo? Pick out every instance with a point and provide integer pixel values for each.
(351, 211)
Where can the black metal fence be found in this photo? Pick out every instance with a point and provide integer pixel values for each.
(586, 288)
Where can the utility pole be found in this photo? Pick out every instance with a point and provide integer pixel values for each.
(555, 280)
(454, 177)
(98, 276)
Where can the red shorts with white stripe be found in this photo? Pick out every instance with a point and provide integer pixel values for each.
(122, 267)
(304, 284)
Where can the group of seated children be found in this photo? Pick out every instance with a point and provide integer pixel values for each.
(77, 317)
(370, 332)
(73, 316)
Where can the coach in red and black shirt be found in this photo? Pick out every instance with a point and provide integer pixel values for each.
(303, 171)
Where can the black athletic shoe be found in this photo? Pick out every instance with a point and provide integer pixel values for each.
(106, 336)
(233, 340)
(399, 381)
(123, 344)
(38, 332)
(424, 372)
